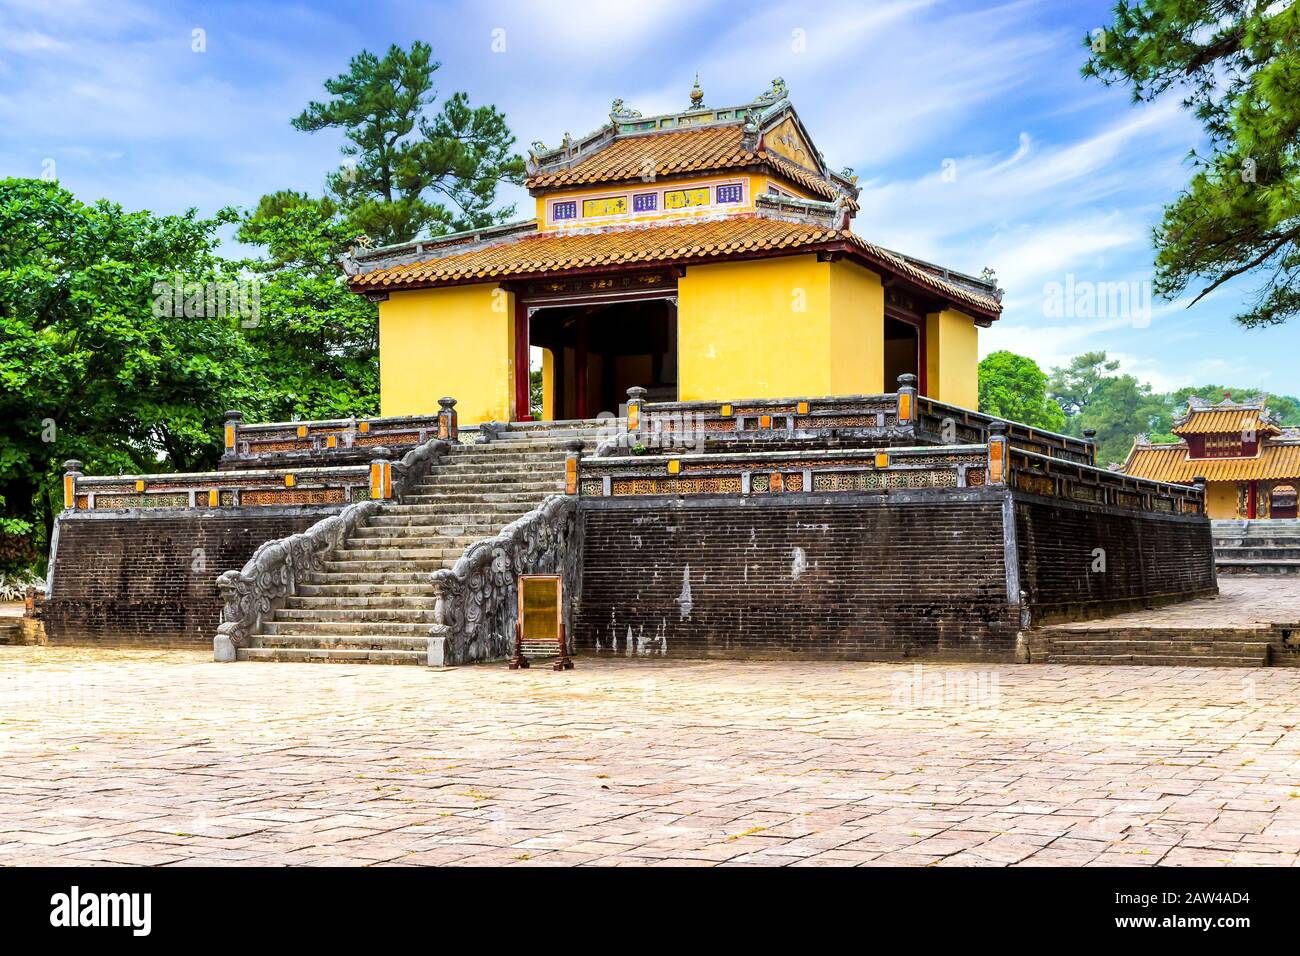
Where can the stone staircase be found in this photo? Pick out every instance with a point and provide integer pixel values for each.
(1169, 646)
(372, 602)
(1266, 546)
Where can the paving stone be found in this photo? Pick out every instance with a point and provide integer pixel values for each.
(165, 758)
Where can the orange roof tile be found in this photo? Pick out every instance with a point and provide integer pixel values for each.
(678, 153)
(1218, 420)
(550, 252)
(1169, 462)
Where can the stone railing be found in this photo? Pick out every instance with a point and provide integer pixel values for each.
(249, 595)
(902, 418)
(336, 485)
(1053, 478)
(248, 445)
(332, 485)
(766, 473)
(276, 567)
(477, 598)
(941, 423)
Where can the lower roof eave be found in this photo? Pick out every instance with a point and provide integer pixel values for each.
(982, 315)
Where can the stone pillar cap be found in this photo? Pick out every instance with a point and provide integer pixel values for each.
(636, 393)
(234, 415)
(72, 465)
(907, 380)
(447, 403)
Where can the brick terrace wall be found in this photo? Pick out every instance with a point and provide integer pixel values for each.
(1150, 559)
(915, 574)
(128, 578)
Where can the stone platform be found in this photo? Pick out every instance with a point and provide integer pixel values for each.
(1253, 622)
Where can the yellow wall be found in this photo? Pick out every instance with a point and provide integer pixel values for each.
(952, 358)
(754, 329)
(779, 328)
(1221, 499)
(457, 341)
(857, 330)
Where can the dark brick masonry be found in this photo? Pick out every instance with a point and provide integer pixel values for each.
(910, 574)
(1149, 559)
(134, 578)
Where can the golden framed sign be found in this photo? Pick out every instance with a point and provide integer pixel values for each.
(539, 621)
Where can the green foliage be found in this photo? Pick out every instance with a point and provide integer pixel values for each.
(89, 368)
(535, 392)
(1118, 407)
(1238, 66)
(1014, 387)
(412, 171)
(315, 341)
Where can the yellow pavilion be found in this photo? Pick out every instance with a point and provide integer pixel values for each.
(702, 255)
(1250, 463)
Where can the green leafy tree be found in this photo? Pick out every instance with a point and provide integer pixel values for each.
(1118, 406)
(1237, 64)
(95, 362)
(1013, 386)
(412, 171)
(314, 342)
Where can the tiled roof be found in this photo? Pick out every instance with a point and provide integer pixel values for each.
(1169, 462)
(678, 153)
(1225, 418)
(690, 241)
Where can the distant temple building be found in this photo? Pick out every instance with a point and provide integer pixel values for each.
(701, 255)
(1250, 463)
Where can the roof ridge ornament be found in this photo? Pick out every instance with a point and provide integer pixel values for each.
(778, 92)
(619, 111)
(697, 95)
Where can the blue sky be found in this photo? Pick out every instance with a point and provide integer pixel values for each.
(975, 140)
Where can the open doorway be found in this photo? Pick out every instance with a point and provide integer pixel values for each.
(903, 353)
(1282, 501)
(595, 352)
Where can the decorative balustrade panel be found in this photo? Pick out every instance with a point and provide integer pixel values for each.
(258, 440)
(1054, 478)
(767, 473)
(340, 485)
(919, 420)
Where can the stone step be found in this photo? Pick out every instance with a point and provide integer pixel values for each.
(429, 496)
(368, 586)
(528, 484)
(343, 601)
(333, 613)
(383, 569)
(393, 554)
(1276, 567)
(468, 509)
(400, 536)
(1258, 553)
(348, 642)
(362, 577)
(1187, 648)
(313, 655)
(1157, 660)
(362, 627)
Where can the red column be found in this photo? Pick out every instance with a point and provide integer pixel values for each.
(580, 370)
(1252, 499)
(523, 407)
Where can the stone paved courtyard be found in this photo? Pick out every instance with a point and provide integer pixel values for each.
(162, 757)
